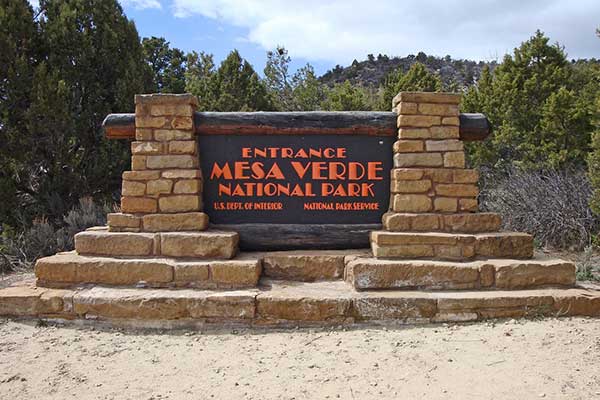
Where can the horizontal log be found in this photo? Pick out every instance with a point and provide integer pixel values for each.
(122, 126)
(263, 237)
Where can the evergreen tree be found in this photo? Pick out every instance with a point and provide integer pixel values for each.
(19, 55)
(416, 79)
(540, 114)
(278, 80)
(200, 79)
(308, 92)
(346, 97)
(234, 86)
(90, 63)
(168, 65)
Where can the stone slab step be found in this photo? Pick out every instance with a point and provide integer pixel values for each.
(430, 222)
(205, 244)
(307, 265)
(285, 303)
(70, 268)
(371, 273)
(451, 246)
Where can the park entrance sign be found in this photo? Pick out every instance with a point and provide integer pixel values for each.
(296, 179)
(372, 216)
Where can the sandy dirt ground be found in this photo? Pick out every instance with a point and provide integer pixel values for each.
(523, 359)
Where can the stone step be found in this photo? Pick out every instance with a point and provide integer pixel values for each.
(205, 244)
(307, 265)
(67, 269)
(373, 273)
(451, 246)
(429, 222)
(284, 303)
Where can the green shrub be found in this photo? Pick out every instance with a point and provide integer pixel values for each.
(20, 250)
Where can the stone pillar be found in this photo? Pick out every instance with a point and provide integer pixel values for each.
(433, 206)
(163, 190)
(429, 161)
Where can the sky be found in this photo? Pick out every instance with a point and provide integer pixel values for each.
(325, 33)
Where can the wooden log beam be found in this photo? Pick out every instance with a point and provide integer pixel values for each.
(122, 126)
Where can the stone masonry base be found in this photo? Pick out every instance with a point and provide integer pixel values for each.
(287, 304)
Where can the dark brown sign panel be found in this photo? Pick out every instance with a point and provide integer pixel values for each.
(296, 179)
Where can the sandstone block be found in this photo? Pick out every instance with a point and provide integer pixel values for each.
(305, 266)
(487, 273)
(427, 97)
(418, 121)
(381, 306)
(193, 221)
(122, 220)
(408, 146)
(393, 221)
(138, 205)
(159, 186)
(406, 108)
(146, 121)
(235, 273)
(451, 121)
(140, 175)
(407, 238)
(214, 244)
(171, 161)
(466, 176)
(132, 188)
(402, 251)
(143, 134)
(140, 304)
(504, 245)
(182, 123)
(444, 132)
(405, 174)
(182, 174)
(456, 190)
(231, 305)
(445, 204)
(410, 186)
(373, 273)
(482, 222)
(439, 175)
(410, 222)
(454, 159)
(529, 274)
(577, 302)
(148, 100)
(188, 186)
(146, 147)
(413, 133)
(179, 203)
(411, 203)
(171, 109)
(138, 162)
(469, 205)
(417, 160)
(165, 135)
(26, 301)
(300, 303)
(495, 304)
(114, 243)
(191, 273)
(450, 110)
(182, 147)
(75, 269)
(444, 145)
(443, 252)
